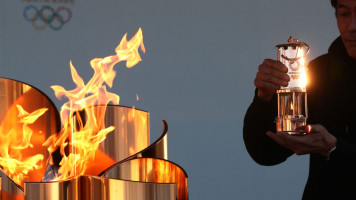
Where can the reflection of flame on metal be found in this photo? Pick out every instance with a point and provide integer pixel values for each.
(16, 136)
(151, 170)
(99, 188)
(27, 117)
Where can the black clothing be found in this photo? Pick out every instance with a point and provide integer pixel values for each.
(331, 103)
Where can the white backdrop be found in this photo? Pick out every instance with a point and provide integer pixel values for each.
(197, 74)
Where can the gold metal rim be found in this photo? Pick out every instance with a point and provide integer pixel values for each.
(291, 90)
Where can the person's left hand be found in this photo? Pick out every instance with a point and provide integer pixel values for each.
(316, 140)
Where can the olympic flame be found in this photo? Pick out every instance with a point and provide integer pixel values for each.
(84, 157)
(16, 137)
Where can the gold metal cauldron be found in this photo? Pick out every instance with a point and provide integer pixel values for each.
(139, 171)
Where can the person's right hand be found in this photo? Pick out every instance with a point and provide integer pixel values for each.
(270, 77)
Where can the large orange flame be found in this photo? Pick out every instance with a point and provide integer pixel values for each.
(15, 136)
(83, 139)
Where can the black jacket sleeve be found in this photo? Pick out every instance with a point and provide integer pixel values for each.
(258, 120)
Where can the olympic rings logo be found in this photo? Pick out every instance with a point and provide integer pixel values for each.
(47, 16)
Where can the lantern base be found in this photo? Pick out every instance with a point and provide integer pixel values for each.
(290, 124)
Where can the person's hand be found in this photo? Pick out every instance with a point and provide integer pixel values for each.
(316, 140)
(270, 77)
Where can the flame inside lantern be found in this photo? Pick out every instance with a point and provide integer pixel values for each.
(291, 105)
(83, 140)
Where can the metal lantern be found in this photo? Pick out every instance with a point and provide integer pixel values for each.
(292, 100)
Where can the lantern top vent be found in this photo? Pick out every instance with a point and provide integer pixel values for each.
(294, 44)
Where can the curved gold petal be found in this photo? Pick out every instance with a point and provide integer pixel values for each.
(130, 138)
(131, 134)
(151, 170)
(158, 149)
(99, 188)
(19, 101)
(151, 165)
